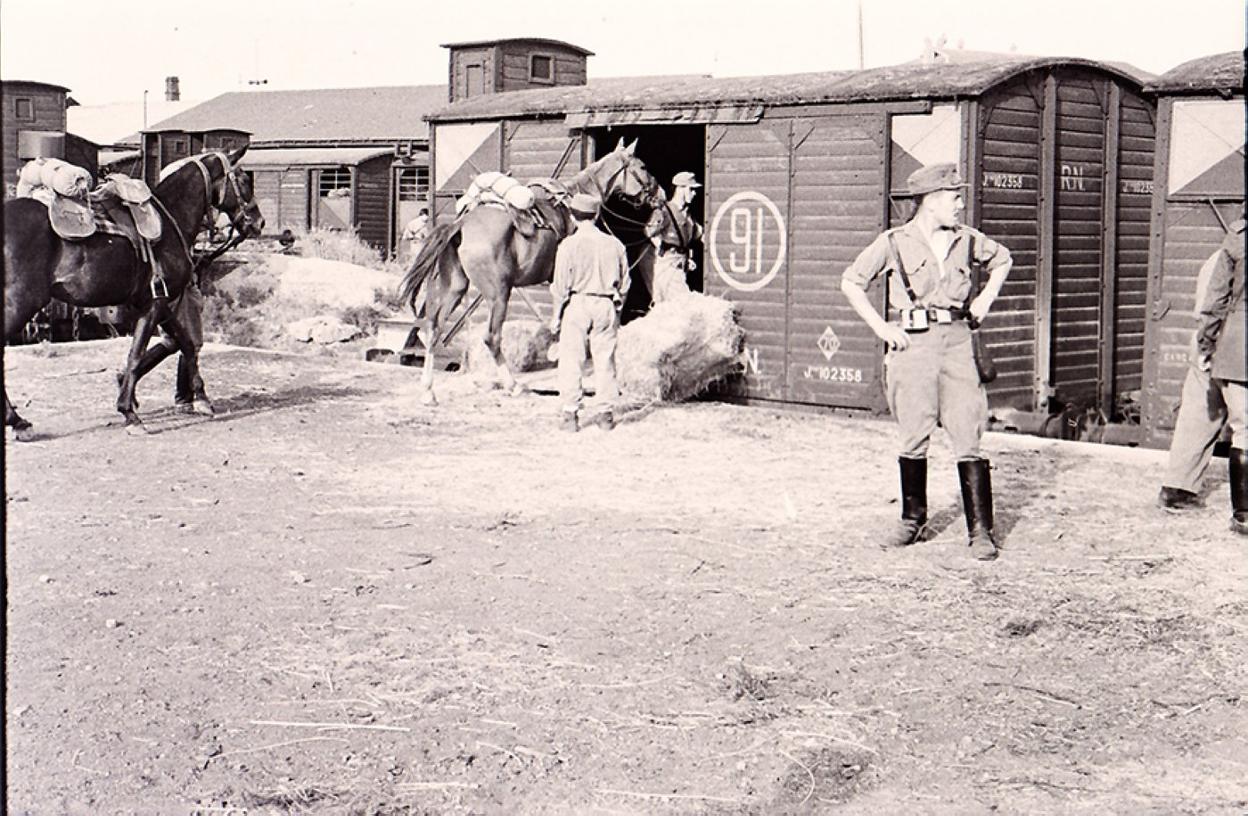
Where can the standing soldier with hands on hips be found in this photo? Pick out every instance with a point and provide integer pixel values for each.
(931, 371)
(588, 291)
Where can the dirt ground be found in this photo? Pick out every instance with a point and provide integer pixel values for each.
(330, 599)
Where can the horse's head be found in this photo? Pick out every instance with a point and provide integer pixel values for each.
(235, 196)
(621, 173)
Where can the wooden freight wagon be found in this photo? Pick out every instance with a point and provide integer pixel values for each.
(1199, 193)
(802, 171)
(340, 188)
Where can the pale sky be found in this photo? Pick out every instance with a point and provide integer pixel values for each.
(354, 43)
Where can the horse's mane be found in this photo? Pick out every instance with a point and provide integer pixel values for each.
(174, 168)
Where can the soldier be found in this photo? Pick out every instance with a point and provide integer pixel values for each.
(1201, 417)
(588, 291)
(931, 373)
(1220, 341)
(672, 230)
(416, 232)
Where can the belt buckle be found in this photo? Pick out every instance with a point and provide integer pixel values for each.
(943, 316)
(914, 320)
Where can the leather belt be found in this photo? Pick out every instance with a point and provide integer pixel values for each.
(594, 294)
(917, 320)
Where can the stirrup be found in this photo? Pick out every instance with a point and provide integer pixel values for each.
(155, 293)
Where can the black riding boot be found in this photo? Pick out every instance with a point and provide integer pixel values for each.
(976, 482)
(913, 503)
(1239, 490)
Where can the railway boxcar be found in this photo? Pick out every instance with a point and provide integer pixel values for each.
(802, 171)
(1199, 193)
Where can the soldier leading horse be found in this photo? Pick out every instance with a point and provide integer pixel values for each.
(485, 248)
(105, 270)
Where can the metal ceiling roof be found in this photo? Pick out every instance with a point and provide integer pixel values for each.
(340, 114)
(516, 40)
(271, 157)
(915, 80)
(1212, 73)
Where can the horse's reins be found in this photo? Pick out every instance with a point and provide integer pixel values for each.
(209, 189)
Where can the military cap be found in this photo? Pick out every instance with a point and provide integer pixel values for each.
(585, 204)
(934, 177)
(684, 179)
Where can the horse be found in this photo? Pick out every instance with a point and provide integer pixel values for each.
(105, 269)
(483, 247)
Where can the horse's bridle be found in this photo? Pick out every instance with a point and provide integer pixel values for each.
(230, 180)
(626, 166)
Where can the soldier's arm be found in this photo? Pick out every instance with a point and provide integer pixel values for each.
(655, 225)
(625, 279)
(854, 282)
(560, 285)
(1216, 305)
(998, 262)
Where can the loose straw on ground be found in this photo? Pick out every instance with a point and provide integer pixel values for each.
(352, 726)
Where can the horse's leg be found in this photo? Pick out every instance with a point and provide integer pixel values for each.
(189, 394)
(494, 340)
(23, 298)
(445, 292)
(143, 329)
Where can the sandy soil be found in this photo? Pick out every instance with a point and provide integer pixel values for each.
(330, 599)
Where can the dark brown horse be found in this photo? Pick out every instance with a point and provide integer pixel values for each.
(484, 248)
(104, 269)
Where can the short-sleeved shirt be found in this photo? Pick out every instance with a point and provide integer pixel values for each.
(931, 288)
(674, 227)
(590, 262)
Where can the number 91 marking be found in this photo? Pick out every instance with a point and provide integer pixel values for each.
(748, 233)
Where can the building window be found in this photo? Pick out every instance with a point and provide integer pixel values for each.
(335, 183)
(24, 109)
(414, 184)
(179, 147)
(542, 68)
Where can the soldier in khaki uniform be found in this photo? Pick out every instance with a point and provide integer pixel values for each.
(672, 230)
(588, 291)
(1220, 343)
(931, 375)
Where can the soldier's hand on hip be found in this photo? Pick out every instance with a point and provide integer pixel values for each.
(979, 308)
(1204, 362)
(895, 337)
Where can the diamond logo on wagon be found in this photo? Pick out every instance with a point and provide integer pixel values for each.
(829, 343)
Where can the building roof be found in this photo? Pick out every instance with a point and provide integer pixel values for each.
(275, 157)
(48, 85)
(386, 114)
(517, 40)
(914, 80)
(1215, 72)
(119, 123)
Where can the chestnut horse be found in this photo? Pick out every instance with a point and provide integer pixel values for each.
(484, 248)
(105, 270)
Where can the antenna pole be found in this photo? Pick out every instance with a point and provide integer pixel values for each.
(861, 57)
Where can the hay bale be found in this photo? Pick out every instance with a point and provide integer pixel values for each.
(679, 349)
(524, 346)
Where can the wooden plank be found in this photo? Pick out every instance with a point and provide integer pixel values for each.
(1045, 261)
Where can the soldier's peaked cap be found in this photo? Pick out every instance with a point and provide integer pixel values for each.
(684, 179)
(934, 177)
(585, 204)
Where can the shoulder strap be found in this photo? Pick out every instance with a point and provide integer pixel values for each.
(894, 255)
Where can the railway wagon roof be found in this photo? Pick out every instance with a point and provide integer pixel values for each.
(913, 80)
(1212, 73)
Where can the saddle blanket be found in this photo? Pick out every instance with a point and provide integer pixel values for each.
(495, 188)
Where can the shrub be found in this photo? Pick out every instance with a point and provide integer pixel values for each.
(337, 245)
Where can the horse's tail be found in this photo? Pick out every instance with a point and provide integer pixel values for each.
(443, 238)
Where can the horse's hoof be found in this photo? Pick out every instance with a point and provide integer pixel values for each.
(203, 407)
(427, 398)
(25, 433)
(518, 389)
(137, 428)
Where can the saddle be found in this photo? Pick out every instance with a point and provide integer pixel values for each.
(119, 206)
